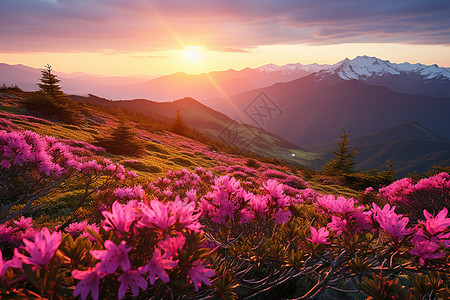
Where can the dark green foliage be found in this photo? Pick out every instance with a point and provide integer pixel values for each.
(50, 84)
(182, 161)
(178, 126)
(435, 170)
(155, 148)
(252, 164)
(344, 160)
(140, 166)
(371, 178)
(12, 88)
(51, 102)
(123, 140)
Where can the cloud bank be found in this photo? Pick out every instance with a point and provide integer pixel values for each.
(142, 25)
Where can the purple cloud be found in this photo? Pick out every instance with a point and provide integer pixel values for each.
(139, 25)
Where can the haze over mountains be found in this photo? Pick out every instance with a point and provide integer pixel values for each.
(387, 108)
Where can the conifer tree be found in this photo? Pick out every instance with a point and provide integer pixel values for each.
(344, 160)
(50, 84)
(122, 140)
(178, 125)
(50, 100)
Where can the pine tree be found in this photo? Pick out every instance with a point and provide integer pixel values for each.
(178, 125)
(51, 102)
(122, 140)
(50, 84)
(344, 160)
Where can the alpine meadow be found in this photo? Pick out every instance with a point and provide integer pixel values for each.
(225, 150)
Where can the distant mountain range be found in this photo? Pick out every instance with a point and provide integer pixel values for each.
(314, 112)
(75, 83)
(391, 111)
(407, 78)
(164, 88)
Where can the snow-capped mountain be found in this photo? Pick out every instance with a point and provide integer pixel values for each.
(405, 77)
(292, 68)
(365, 66)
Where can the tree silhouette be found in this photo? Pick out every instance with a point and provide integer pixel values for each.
(178, 126)
(344, 160)
(123, 140)
(51, 101)
(50, 84)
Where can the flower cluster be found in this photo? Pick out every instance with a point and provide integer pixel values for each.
(229, 201)
(345, 217)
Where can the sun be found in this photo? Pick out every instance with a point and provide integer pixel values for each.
(194, 53)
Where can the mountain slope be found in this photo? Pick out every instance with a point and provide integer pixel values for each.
(314, 112)
(411, 146)
(214, 124)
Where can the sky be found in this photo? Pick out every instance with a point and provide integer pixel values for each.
(129, 37)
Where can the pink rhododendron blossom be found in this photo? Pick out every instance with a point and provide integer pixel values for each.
(171, 245)
(368, 190)
(426, 249)
(132, 279)
(24, 222)
(156, 215)
(436, 224)
(274, 189)
(5, 232)
(135, 192)
(113, 257)
(282, 216)
(199, 274)
(42, 249)
(158, 266)
(392, 223)
(90, 281)
(338, 225)
(320, 236)
(119, 218)
(76, 228)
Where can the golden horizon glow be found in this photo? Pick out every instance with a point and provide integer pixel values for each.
(200, 59)
(194, 53)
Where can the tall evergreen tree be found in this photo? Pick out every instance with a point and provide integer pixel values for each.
(178, 124)
(122, 140)
(50, 84)
(344, 159)
(51, 101)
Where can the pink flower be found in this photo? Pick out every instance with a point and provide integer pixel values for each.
(436, 224)
(338, 225)
(42, 249)
(158, 266)
(282, 216)
(113, 257)
(90, 280)
(425, 249)
(392, 223)
(132, 279)
(368, 190)
(319, 237)
(199, 274)
(120, 218)
(171, 245)
(274, 189)
(157, 215)
(24, 222)
(75, 228)
(5, 232)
